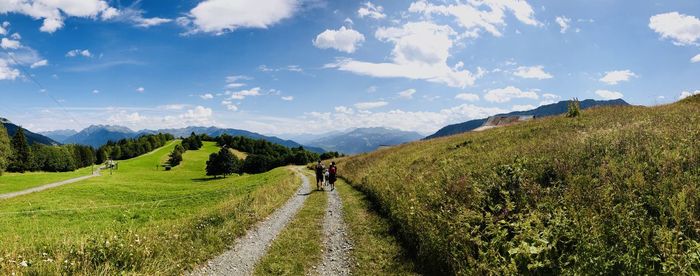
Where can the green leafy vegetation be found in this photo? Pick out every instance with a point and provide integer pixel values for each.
(176, 156)
(223, 163)
(375, 251)
(5, 149)
(612, 192)
(573, 108)
(140, 220)
(131, 147)
(298, 247)
(263, 155)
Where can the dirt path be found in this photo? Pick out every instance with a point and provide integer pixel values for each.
(49, 186)
(249, 249)
(337, 246)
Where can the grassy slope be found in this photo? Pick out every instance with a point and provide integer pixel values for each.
(139, 219)
(613, 191)
(375, 250)
(298, 247)
(12, 182)
(239, 154)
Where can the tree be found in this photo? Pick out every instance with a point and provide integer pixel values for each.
(5, 149)
(574, 108)
(223, 163)
(176, 156)
(21, 154)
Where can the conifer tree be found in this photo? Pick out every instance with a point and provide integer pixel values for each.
(5, 149)
(21, 154)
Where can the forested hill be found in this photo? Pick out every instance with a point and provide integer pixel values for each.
(32, 137)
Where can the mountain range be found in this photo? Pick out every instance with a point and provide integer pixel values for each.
(362, 140)
(545, 110)
(31, 136)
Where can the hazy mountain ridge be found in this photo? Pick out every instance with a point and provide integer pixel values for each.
(59, 135)
(362, 140)
(31, 136)
(545, 110)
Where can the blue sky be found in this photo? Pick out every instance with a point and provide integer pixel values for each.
(312, 66)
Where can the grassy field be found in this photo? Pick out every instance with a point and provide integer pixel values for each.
(12, 182)
(140, 219)
(375, 250)
(614, 191)
(239, 154)
(298, 247)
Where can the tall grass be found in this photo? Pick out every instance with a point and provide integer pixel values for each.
(612, 191)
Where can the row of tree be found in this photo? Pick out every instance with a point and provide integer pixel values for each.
(18, 156)
(262, 156)
(194, 142)
(132, 147)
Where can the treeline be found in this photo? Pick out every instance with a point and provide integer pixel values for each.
(21, 157)
(16, 155)
(262, 155)
(194, 142)
(132, 147)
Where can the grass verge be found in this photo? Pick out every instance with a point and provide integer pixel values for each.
(375, 250)
(299, 246)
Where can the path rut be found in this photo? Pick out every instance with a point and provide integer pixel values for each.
(49, 186)
(337, 246)
(249, 249)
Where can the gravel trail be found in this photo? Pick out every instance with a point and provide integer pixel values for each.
(49, 186)
(337, 246)
(249, 249)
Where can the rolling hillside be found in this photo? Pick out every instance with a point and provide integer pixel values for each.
(542, 111)
(614, 191)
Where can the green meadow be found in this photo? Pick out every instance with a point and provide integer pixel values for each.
(139, 219)
(12, 182)
(613, 191)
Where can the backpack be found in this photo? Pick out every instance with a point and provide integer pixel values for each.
(332, 170)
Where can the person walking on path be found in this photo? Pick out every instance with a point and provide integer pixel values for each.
(332, 171)
(319, 175)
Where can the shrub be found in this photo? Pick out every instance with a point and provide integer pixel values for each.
(574, 108)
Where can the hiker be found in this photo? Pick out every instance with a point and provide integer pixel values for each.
(319, 175)
(326, 177)
(332, 171)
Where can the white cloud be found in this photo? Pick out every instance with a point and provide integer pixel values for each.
(79, 52)
(503, 95)
(695, 59)
(344, 110)
(681, 29)
(233, 81)
(229, 105)
(609, 95)
(477, 16)
(149, 22)
(564, 23)
(240, 95)
(95, 91)
(343, 39)
(467, 97)
(372, 89)
(219, 16)
(615, 77)
(522, 107)
(549, 99)
(53, 12)
(532, 72)
(3, 31)
(198, 116)
(421, 50)
(16, 36)
(407, 94)
(370, 10)
(370, 105)
(207, 96)
(174, 106)
(7, 72)
(40, 63)
(7, 43)
(140, 89)
(287, 98)
(686, 94)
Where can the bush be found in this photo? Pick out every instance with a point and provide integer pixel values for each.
(574, 108)
(223, 163)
